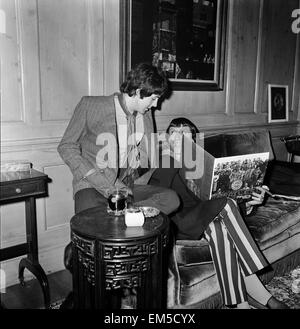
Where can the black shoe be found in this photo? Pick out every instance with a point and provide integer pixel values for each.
(276, 304)
(68, 303)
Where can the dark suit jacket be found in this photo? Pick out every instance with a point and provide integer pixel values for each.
(193, 215)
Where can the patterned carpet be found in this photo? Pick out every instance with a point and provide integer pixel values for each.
(279, 287)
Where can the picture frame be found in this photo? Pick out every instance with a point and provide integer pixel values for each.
(186, 39)
(278, 99)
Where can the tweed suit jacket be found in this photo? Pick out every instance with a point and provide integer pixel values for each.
(93, 116)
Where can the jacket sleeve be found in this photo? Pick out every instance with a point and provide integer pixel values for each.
(70, 151)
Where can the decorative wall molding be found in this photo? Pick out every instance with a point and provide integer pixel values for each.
(28, 144)
(16, 62)
(228, 57)
(162, 122)
(58, 209)
(222, 122)
(95, 13)
(296, 81)
(259, 57)
(21, 57)
(283, 128)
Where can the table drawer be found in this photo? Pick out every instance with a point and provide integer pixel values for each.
(22, 189)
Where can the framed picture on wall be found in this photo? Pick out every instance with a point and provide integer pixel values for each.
(186, 39)
(278, 103)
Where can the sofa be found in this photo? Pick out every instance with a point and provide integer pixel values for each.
(192, 281)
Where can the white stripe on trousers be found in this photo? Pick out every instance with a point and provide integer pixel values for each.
(212, 238)
(230, 294)
(246, 242)
(236, 292)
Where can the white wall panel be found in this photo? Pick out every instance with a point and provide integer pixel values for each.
(59, 207)
(12, 224)
(245, 53)
(11, 65)
(63, 48)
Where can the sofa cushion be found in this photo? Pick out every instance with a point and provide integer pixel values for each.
(283, 178)
(272, 219)
(198, 282)
(192, 251)
(282, 245)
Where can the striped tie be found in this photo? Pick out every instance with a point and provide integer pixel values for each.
(130, 172)
(193, 187)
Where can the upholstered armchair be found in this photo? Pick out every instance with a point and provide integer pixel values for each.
(192, 281)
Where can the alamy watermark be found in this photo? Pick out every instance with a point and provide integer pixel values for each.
(188, 155)
(296, 23)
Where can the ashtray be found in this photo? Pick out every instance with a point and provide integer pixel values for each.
(150, 211)
(15, 165)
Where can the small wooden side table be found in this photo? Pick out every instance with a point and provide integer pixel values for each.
(108, 256)
(26, 186)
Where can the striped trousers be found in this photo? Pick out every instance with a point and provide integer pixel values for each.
(234, 253)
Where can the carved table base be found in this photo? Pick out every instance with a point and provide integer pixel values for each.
(110, 268)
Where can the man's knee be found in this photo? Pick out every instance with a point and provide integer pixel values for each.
(88, 198)
(172, 200)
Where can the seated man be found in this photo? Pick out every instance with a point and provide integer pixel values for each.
(105, 147)
(235, 254)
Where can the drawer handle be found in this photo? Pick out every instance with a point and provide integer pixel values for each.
(18, 190)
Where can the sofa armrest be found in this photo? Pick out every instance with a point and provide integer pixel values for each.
(191, 243)
(192, 251)
(215, 145)
(283, 178)
(173, 298)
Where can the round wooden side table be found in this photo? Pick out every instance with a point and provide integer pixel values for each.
(109, 257)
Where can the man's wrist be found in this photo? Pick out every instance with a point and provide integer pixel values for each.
(249, 208)
(130, 200)
(90, 172)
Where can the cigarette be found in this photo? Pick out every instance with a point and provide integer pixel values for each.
(266, 189)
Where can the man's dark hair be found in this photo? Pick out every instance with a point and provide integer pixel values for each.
(149, 79)
(177, 122)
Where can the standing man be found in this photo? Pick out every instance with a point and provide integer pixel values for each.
(118, 120)
(116, 117)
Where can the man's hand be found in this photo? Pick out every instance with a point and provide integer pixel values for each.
(124, 189)
(119, 185)
(257, 199)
